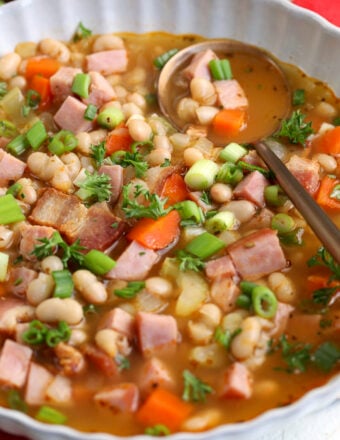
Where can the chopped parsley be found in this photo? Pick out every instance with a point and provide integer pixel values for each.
(95, 188)
(194, 389)
(224, 337)
(133, 158)
(81, 32)
(123, 362)
(158, 430)
(296, 355)
(188, 261)
(153, 209)
(295, 128)
(98, 153)
(299, 97)
(326, 356)
(131, 290)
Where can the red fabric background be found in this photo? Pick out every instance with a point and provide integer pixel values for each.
(329, 9)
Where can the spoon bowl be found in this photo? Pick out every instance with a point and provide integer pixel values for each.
(264, 119)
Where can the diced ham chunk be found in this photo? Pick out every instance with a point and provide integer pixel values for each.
(155, 177)
(61, 82)
(30, 236)
(70, 116)
(108, 61)
(123, 397)
(119, 320)
(134, 263)
(93, 226)
(230, 94)
(11, 168)
(39, 378)
(155, 373)
(19, 279)
(224, 293)
(101, 360)
(13, 311)
(199, 65)
(222, 266)
(101, 90)
(116, 174)
(252, 188)
(59, 390)
(237, 382)
(156, 332)
(196, 196)
(281, 318)
(306, 171)
(14, 363)
(257, 254)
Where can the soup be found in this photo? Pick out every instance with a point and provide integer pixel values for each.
(152, 281)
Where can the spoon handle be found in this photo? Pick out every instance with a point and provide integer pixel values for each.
(318, 220)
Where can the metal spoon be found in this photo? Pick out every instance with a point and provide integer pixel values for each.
(320, 223)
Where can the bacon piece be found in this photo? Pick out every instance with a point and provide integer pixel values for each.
(30, 236)
(224, 293)
(61, 82)
(70, 360)
(38, 380)
(156, 332)
(108, 61)
(116, 174)
(101, 90)
(257, 254)
(155, 373)
(101, 360)
(70, 116)
(237, 382)
(19, 279)
(222, 266)
(230, 94)
(252, 188)
(119, 320)
(123, 397)
(13, 311)
(306, 171)
(134, 263)
(199, 65)
(11, 168)
(59, 390)
(14, 363)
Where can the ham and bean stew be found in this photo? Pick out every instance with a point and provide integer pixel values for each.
(153, 281)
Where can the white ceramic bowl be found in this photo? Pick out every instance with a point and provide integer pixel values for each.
(290, 33)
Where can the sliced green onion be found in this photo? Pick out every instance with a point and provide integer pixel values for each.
(90, 112)
(243, 301)
(7, 129)
(220, 69)
(81, 85)
(131, 290)
(3, 89)
(10, 211)
(233, 152)
(18, 145)
(292, 238)
(158, 430)
(229, 173)
(56, 335)
(336, 121)
(4, 258)
(205, 245)
(264, 302)
(14, 189)
(326, 356)
(151, 98)
(201, 175)
(50, 415)
(63, 283)
(274, 195)
(283, 223)
(36, 135)
(62, 142)
(15, 401)
(190, 213)
(250, 167)
(299, 97)
(98, 262)
(247, 287)
(35, 334)
(162, 59)
(110, 117)
(224, 220)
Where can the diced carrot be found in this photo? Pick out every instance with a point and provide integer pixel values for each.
(165, 408)
(329, 142)
(316, 282)
(323, 196)
(228, 121)
(174, 189)
(156, 234)
(42, 86)
(45, 67)
(118, 139)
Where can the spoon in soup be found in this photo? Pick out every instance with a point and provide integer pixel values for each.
(264, 119)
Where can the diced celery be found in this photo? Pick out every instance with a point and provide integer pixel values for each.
(4, 258)
(193, 293)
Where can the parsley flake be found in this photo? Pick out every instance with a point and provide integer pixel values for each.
(194, 389)
(295, 128)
